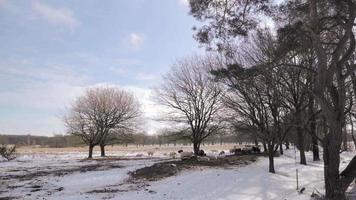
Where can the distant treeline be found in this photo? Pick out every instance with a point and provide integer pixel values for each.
(53, 141)
(58, 141)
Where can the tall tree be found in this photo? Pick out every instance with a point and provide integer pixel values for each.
(193, 98)
(254, 93)
(100, 113)
(329, 26)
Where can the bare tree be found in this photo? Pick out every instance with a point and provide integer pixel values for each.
(328, 26)
(257, 104)
(193, 98)
(333, 42)
(100, 113)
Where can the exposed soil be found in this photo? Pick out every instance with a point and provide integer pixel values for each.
(115, 158)
(166, 169)
(7, 198)
(138, 178)
(40, 172)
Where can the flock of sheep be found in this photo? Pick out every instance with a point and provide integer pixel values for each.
(247, 149)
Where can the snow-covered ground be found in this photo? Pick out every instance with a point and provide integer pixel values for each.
(245, 183)
(252, 182)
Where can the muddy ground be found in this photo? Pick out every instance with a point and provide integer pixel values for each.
(170, 168)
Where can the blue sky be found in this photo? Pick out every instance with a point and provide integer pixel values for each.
(52, 50)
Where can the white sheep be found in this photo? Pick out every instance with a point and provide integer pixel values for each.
(186, 155)
(173, 155)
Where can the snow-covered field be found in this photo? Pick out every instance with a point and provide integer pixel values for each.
(69, 176)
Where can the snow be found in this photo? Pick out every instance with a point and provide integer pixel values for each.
(252, 182)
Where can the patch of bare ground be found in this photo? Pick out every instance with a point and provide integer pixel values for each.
(166, 169)
(8, 198)
(41, 172)
(126, 186)
(116, 158)
(138, 178)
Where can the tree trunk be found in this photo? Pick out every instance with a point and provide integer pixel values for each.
(300, 138)
(352, 131)
(271, 159)
(315, 146)
(91, 147)
(264, 147)
(344, 139)
(196, 147)
(281, 149)
(316, 156)
(102, 150)
(287, 144)
(333, 185)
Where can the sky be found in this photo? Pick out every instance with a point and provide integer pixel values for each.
(51, 51)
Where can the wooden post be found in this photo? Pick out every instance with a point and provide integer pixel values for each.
(296, 174)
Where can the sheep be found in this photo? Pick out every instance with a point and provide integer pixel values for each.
(201, 153)
(256, 149)
(173, 155)
(222, 153)
(150, 153)
(236, 151)
(180, 151)
(186, 155)
(249, 149)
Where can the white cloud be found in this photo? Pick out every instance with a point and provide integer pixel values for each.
(151, 109)
(38, 87)
(3, 3)
(41, 95)
(38, 97)
(118, 70)
(55, 15)
(136, 40)
(183, 2)
(145, 77)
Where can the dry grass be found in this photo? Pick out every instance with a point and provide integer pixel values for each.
(121, 148)
(170, 168)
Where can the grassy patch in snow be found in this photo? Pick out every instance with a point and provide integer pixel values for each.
(54, 171)
(170, 168)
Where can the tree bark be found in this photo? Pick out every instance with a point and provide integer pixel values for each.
(344, 139)
(271, 159)
(352, 130)
(316, 156)
(264, 147)
(281, 148)
(91, 147)
(301, 148)
(300, 138)
(196, 148)
(287, 144)
(333, 184)
(312, 126)
(102, 150)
